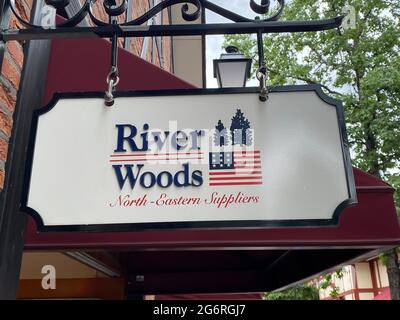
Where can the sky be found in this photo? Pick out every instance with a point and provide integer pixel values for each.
(214, 43)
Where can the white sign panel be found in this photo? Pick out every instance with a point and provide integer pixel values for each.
(189, 159)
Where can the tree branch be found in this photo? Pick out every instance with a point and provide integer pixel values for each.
(307, 80)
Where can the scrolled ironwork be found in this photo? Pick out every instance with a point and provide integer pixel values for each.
(191, 16)
(188, 14)
(262, 8)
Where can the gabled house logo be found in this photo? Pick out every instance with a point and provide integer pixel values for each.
(236, 162)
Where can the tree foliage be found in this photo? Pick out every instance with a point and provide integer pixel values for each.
(299, 292)
(327, 282)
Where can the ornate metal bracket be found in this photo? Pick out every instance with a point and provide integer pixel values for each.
(135, 28)
(118, 10)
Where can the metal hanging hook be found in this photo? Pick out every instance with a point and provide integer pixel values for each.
(112, 77)
(112, 82)
(262, 77)
(109, 97)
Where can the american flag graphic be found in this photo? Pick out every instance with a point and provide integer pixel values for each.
(235, 168)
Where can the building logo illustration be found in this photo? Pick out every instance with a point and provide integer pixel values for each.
(237, 162)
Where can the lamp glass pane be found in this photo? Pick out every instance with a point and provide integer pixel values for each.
(232, 74)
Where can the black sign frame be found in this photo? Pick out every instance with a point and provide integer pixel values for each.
(225, 224)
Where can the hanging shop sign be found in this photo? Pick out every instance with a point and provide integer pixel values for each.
(189, 159)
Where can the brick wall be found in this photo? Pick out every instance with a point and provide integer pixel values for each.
(135, 44)
(9, 83)
(167, 46)
(139, 8)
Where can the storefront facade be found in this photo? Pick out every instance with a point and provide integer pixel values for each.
(134, 264)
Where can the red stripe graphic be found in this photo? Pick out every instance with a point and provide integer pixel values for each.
(248, 157)
(246, 152)
(233, 172)
(236, 178)
(248, 162)
(234, 183)
(249, 166)
(155, 159)
(156, 154)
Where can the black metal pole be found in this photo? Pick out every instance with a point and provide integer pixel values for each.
(13, 224)
(114, 49)
(261, 58)
(172, 30)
